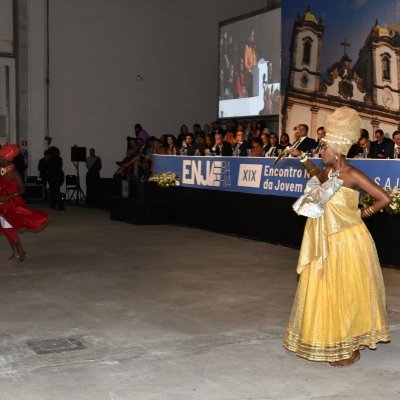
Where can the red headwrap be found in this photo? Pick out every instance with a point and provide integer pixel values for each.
(9, 151)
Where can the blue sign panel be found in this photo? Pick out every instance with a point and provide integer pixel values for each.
(259, 175)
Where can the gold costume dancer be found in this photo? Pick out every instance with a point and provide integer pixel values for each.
(340, 304)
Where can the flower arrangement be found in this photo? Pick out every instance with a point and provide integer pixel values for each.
(166, 179)
(393, 208)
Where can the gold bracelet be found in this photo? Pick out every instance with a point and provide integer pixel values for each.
(303, 157)
(369, 211)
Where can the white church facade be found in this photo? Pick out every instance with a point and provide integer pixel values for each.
(371, 85)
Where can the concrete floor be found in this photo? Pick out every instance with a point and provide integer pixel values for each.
(166, 312)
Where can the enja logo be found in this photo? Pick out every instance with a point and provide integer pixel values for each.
(215, 174)
(250, 175)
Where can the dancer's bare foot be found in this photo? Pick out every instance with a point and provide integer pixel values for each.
(14, 252)
(21, 253)
(346, 363)
(21, 256)
(13, 255)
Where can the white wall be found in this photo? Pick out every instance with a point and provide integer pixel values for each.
(7, 73)
(37, 83)
(96, 49)
(6, 26)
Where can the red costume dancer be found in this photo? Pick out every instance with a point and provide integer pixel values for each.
(14, 215)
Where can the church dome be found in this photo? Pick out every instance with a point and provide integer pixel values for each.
(309, 16)
(381, 30)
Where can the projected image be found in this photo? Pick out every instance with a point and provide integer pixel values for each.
(249, 66)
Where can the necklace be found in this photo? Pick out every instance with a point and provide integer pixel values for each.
(5, 170)
(334, 174)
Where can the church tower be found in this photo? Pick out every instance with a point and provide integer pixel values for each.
(377, 69)
(305, 53)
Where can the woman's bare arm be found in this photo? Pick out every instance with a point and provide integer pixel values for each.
(381, 197)
(311, 168)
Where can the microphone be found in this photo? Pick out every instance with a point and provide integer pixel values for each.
(284, 154)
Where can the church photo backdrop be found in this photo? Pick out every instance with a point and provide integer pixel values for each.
(340, 53)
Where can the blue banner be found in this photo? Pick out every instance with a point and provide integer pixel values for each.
(259, 175)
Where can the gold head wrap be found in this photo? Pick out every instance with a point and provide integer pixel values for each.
(342, 129)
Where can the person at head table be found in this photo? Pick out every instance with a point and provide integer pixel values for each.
(242, 146)
(304, 143)
(365, 146)
(221, 148)
(396, 148)
(275, 148)
(382, 147)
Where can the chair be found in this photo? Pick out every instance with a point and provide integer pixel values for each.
(71, 187)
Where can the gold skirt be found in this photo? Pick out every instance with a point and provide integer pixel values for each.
(344, 309)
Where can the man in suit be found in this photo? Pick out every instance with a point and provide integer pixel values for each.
(221, 148)
(320, 135)
(304, 143)
(396, 148)
(242, 145)
(383, 147)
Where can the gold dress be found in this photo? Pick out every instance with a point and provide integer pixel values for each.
(340, 302)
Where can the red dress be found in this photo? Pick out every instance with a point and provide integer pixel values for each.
(15, 211)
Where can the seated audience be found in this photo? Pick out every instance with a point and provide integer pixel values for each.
(221, 148)
(364, 145)
(188, 146)
(230, 138)
(184, 130)
(265, 143)
(125, 170)
(200, 143)
(355, 150)
(157, 147)
(396, 148)
(285, 140)
(256, 148)
(304, 143)
(382, 147)
(209, 144)
(216, 127)
(242, 146)
(320, 135)
(139, 166)
(206, 129)
(171, 146)
(275, 149)
(141, 133)
(254, 130)
(197, 130)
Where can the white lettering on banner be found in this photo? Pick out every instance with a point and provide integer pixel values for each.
(217, 173)
(288, 186)
(283, 186)
(389, 183)
(285, 172)
(250, 175)
(187, 176)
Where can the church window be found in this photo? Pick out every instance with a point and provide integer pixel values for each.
(307, 43)
(304, 81)
(385, 64)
